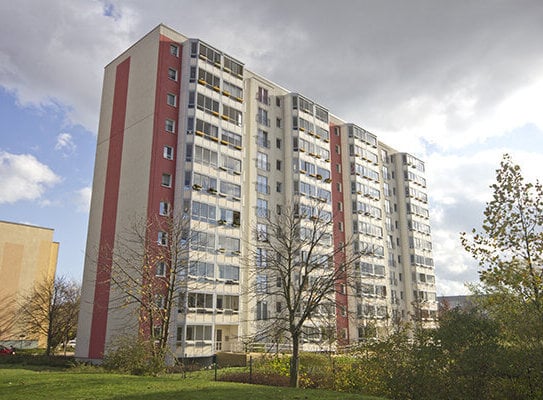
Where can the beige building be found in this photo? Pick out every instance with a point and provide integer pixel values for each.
(186, 129)
(28, 255)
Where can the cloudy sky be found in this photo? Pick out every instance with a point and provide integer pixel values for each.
(457, 83)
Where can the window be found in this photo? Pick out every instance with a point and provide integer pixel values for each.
(233, 67)
(205, 156)
(278, 143)
(229, 243)
(278, 102)
(262, 117)
(261, 310)
(203, 181)
(232, 114)
(164, 208)
(261, 257)
(201, 269)
(262, 95)
(174, 50)
(278, 187)
(231, 138)
(278, 122)
(207, 104)
(229, 272)
(207, 78)
(229, 217)
(262, 208)
(206, 128)
(162, 238)
(230, 189)
(199, 332)
(262, 184)
(172, 74)
(231, 164)
(227, 302)
(262, 161)
(202, 241)
(166, 180)
(262, 138)
(204, 212)
(159, 301)
(338, 149)
(160, 269)
(168, 152)
(278, 307)
(170, 125)
(261, 232)
(232, 90)
(171, 99)
(261, 283)
(278, 165)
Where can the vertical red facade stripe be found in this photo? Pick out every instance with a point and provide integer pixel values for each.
(342, 310)
(109, 212)
(160, 165)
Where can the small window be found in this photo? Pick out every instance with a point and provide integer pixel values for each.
(340, 226)
(340, 206)
(278, 165)
(279, 187)
(160, 269)
(278, 122)
(164, 208)
(171, 99)
(278, 143)
(170, 125)
(168, 152)
(174, 50)
(166, 180)
(162, 238)
(338, 149)
(172, 74)
(278, 102)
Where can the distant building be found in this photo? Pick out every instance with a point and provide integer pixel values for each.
(28, 255)
(186, 129)
(451, 302)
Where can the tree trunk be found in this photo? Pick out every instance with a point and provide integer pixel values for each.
(295, 360)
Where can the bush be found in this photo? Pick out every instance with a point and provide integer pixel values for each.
(135, 357)
(39, 360)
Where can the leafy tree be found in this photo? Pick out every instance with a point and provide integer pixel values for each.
(509, 249)
(51, 308)
(297, 266)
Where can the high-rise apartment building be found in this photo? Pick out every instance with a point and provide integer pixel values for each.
(185, 129)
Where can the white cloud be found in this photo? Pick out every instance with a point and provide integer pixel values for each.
(65, 143)
(23, 177)
(66, 46)
(83, 198)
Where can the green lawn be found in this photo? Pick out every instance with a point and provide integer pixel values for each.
(38, 383)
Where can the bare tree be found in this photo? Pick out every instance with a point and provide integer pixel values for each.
(51, 308)
(149, 268)
(297, 266)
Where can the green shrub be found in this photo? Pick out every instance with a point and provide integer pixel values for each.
(135, 357)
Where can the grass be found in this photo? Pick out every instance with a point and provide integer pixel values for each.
(29, 383)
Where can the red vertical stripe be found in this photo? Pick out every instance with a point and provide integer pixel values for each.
(342, 321)
(161, 138)
(109, 213)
